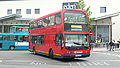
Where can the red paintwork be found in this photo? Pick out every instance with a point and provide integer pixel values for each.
(50, 33)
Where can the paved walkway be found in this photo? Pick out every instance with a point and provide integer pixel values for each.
(103, 49)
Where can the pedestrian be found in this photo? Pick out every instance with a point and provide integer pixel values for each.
(112, 45)
(107, 45)
(118, 43)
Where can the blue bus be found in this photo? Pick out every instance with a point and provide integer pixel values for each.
(18, 29)
(16, 39)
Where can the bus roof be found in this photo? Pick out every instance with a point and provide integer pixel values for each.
(14, 34)
(56, 12)
(19, 26)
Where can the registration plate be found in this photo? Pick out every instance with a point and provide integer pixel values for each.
(77, 55)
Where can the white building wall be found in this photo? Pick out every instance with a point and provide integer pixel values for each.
(48, 6)
(116, 28)
(116, 21)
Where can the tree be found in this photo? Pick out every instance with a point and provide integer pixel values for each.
(81, 6)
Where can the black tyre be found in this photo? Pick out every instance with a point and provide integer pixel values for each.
(12, 47)
(34, 52)
(51, 54)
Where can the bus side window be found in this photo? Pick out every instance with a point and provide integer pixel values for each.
(59, 39)
(40, 40)
(52, 20)
(25, 38)
(6, 37)
(31, 25)
(34, 39)
(1, 38)
(58, 18)
(40, 24)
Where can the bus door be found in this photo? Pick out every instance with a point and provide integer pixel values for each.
(59, 43)
(1, 38)
(20, 38)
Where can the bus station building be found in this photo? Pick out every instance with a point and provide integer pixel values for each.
(106, 13)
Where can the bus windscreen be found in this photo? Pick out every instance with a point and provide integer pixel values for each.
(75, 21)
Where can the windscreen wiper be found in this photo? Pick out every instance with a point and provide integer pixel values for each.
(76, 43)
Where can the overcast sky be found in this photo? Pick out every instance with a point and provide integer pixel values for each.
(11, 0)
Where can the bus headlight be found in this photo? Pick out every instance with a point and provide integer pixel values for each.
(67, 52)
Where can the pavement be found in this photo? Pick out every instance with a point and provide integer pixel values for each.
(103, 49)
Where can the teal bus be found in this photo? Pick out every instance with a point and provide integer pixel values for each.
(16, 39)
(18, 29)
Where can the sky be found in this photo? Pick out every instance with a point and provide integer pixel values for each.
(11, 0)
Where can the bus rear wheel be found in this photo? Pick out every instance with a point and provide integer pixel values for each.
(12, 47)
(34, 52)
(51, 54)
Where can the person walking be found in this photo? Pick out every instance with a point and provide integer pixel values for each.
(111, 45)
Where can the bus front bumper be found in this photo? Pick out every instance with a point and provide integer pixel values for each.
(75, 55)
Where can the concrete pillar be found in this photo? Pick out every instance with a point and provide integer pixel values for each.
(2, 28)
(110, 33)
(96, 31)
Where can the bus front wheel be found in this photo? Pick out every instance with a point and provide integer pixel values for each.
(51, 54)
(12, 47)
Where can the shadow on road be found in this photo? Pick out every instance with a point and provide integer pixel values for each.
(62, 60)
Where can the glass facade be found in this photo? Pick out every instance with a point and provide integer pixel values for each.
(103, 33)
(0, 28)
(6, 29)
(100, 33)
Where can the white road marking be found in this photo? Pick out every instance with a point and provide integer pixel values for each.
(113, 60)
(36, 63)
(70, 64)
(0, 60)
(32, 63)
(117, 55)
(89, 63)
(78, 63)
(109, 54)
(94, 63)
(106, 63)
(100, 63)
(84, 64)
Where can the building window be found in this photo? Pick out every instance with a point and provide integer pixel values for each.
(37, 11)
(9, 11)
(102, 9)
(28, 11)
(18, 11)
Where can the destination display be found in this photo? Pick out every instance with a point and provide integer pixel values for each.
(75, 21)
(75, 27)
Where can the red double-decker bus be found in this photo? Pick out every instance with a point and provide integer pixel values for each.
(62, 34)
